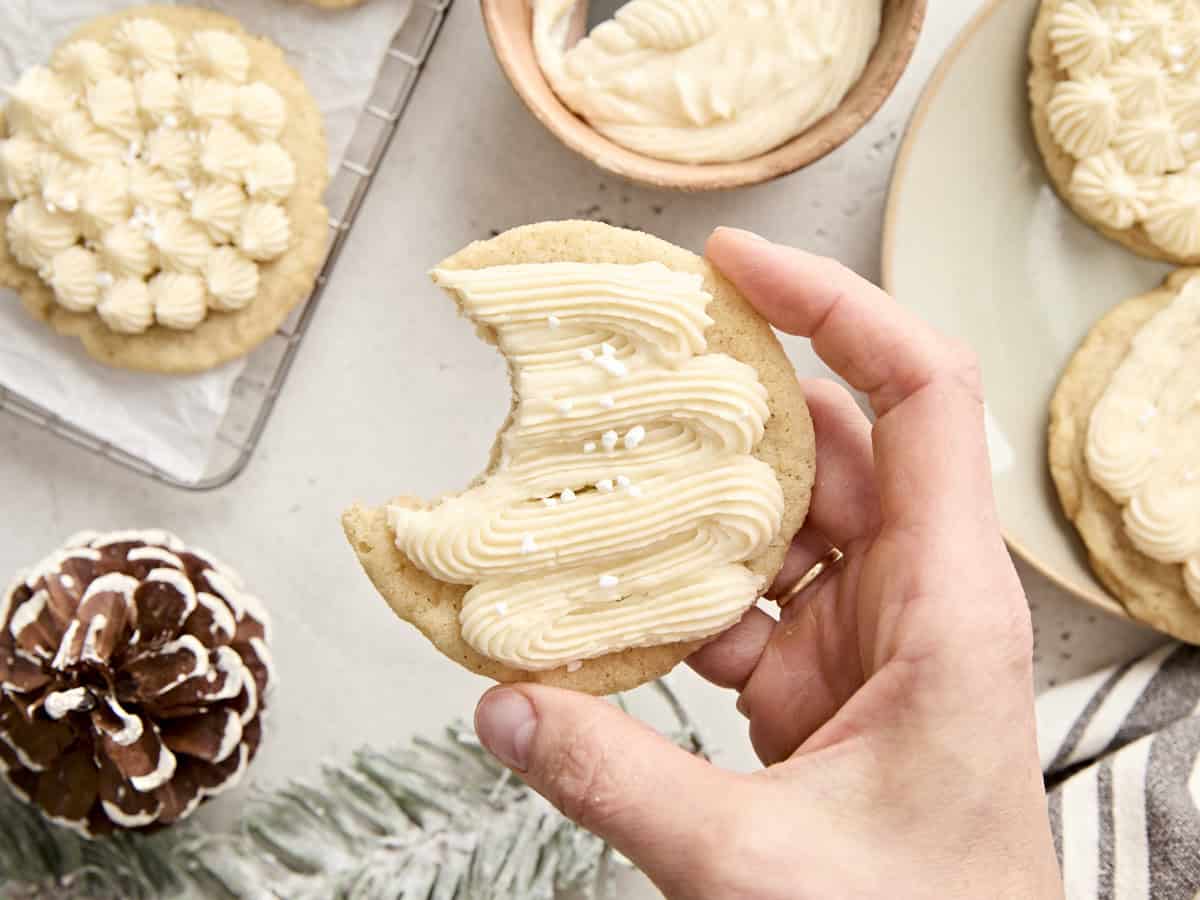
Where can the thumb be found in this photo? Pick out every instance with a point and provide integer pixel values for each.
(659, 805)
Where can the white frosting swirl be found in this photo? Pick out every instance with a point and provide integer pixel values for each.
(708, 81)
(83, 63)
(1173, 219)
(106, 200)
(1143, 57)
(127, 252)
(1104, 188)
(261, 110)
(159, 95)
(180, 300)
(1082, 37)
(126, 307)
(18, 167)
(265, 232)
(271, 174)
(36, 235)
(207, 99)
(73, 276)
(147, 153)
(146, 44)
(1143, 434)
(227, 153)
(112, 104)
(218, 207)
(232, 279)
(642, 443)
(217, 54)
(1084, 115)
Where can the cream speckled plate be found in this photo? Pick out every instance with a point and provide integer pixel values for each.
(977, 241)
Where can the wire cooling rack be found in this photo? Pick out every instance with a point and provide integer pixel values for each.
(255, 391)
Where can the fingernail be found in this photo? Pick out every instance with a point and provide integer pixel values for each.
(505, 721)
(743, 234)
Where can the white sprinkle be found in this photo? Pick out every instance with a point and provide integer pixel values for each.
(104, 279)
(1125, 36)
(1189, 140)
(183, 185)
(528, 545)
(607, 349)
(586, 354)
(608, 401)
(567, 496)
(132, 151)
(623, 481)
(609, 439)
(553, 321)
(604, 486)
(1176, 51)
(635, 436)
(69, 201)
(613, 367)
(589, 447)
(550, 502)
(608, 581)
(1177, 68)
(574, 665)
(744, 412)
(170, 120)
(50, 207)
(1147, 415)
(189, 194)
(501, 608)
(565, 406)
(635, 491)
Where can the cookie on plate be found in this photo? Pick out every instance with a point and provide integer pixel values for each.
(1115, 95)
(160, 184)
(1125, 453)
(657, 460)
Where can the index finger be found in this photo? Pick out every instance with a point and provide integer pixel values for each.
(930, 451)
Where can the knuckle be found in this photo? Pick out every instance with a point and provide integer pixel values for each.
(962, 365)
(579, 781)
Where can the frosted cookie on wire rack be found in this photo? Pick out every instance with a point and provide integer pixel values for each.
(1125, 453)
(1115, 93)
(657, 461)
(160, 185)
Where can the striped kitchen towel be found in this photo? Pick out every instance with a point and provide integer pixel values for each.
(1121, 754)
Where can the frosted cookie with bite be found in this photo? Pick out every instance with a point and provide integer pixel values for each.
(1115, 96)
(1125, 453)
(657, 461)
(160, 186)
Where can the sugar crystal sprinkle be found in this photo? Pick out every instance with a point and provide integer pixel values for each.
(587, 354)
(613, 367)
(567, 495)
(553, 321)
(501, 608)
(565, 406)
(528, 545)
(608, 350)
(574, 665)
(635, 436)
(549, 502)
(608, 401)
(589, 446)
(609, 439)
(623, 481)
(604, 486)
(608, 581)
(635, 491)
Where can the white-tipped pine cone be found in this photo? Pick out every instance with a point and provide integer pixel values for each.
(133, 673)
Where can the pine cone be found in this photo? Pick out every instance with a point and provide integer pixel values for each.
(132, 678)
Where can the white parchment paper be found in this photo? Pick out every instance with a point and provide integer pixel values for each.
(172, 421)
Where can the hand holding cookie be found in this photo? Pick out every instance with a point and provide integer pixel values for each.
(892, 700)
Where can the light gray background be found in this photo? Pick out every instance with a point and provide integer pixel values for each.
(392, 393)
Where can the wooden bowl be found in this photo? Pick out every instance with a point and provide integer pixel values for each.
(509, 26)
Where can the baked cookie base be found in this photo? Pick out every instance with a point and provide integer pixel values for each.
(1044, 74)
(433, 606)
(1150, 591)
(284, 283)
